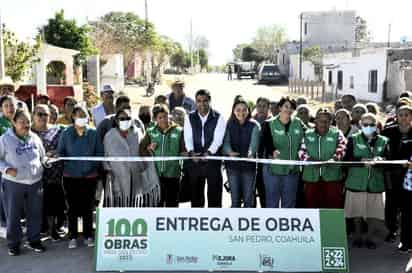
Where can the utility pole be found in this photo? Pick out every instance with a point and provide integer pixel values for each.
(389, 35)
(300, 48)
(146, 14)
(2, 67)
(191, 45)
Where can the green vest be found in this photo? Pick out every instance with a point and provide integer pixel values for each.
(321, 148)
(287, 144)
(5, 124)
(366, 179)
(168, 144)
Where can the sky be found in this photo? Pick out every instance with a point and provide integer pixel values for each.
(225, 23)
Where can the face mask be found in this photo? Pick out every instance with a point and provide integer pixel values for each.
(81, 122)
(124, 125)
(145, 118)
(368, 130)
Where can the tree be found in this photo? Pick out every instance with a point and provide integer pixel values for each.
(67, 34)
(362, 34)
(178, 58)
(19, 56)
(123, 32)
(164, 47)
(249, 54)
(268, 40)
(237, 51)
(203, 58)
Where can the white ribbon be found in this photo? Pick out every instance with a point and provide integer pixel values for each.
(225, 158)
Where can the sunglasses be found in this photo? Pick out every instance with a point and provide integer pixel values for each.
(369, 125)
(39, 114)
(125, 119)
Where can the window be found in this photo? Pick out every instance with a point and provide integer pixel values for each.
(373, 81)
(283, 59)
(306, 29)
(330, 79)
(351, 82)
(340, 80)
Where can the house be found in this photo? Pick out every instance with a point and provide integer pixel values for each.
(319, 28)
(370, 74)
(329, 29)
(112, 71)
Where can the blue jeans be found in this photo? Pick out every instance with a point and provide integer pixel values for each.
(242, 185)
(2, 208)
(18, 197)
(281, 188)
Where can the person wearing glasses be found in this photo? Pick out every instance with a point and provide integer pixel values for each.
(129, 182)
(365, 184)
(53, 196)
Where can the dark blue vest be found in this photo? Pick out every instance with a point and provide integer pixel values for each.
(208, 130)
(240, 138)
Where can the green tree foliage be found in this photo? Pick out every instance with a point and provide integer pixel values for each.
(178, 59)
(203, 58)
(269, 39)
(19, 56)
(249, 54)
(312, 54)
(163, 48)
(67, 34)
(123, 32)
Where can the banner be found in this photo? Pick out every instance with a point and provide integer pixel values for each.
(168, 239)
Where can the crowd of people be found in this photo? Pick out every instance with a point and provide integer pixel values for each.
(50, 196)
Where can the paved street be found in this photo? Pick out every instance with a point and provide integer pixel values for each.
(62, 260)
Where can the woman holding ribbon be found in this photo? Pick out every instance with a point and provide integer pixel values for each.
(281, 139)
(241, 140)
(53, 195)
(21, 164)
(131, 184)
(80, 176)
(365, 184)
(323, 186)
(165, 139)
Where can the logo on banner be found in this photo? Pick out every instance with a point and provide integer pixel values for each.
(125, 238)
(333, 258)
(174, 259)
(266, 261)
(223, 260)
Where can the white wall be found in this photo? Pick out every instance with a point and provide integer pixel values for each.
(330, 28)
(308, 69)
(113, 72)
(358, 67)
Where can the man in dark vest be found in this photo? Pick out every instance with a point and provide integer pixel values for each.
(204, 130)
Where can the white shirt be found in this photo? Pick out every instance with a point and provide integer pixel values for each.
(218, 136)
(98, 114)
